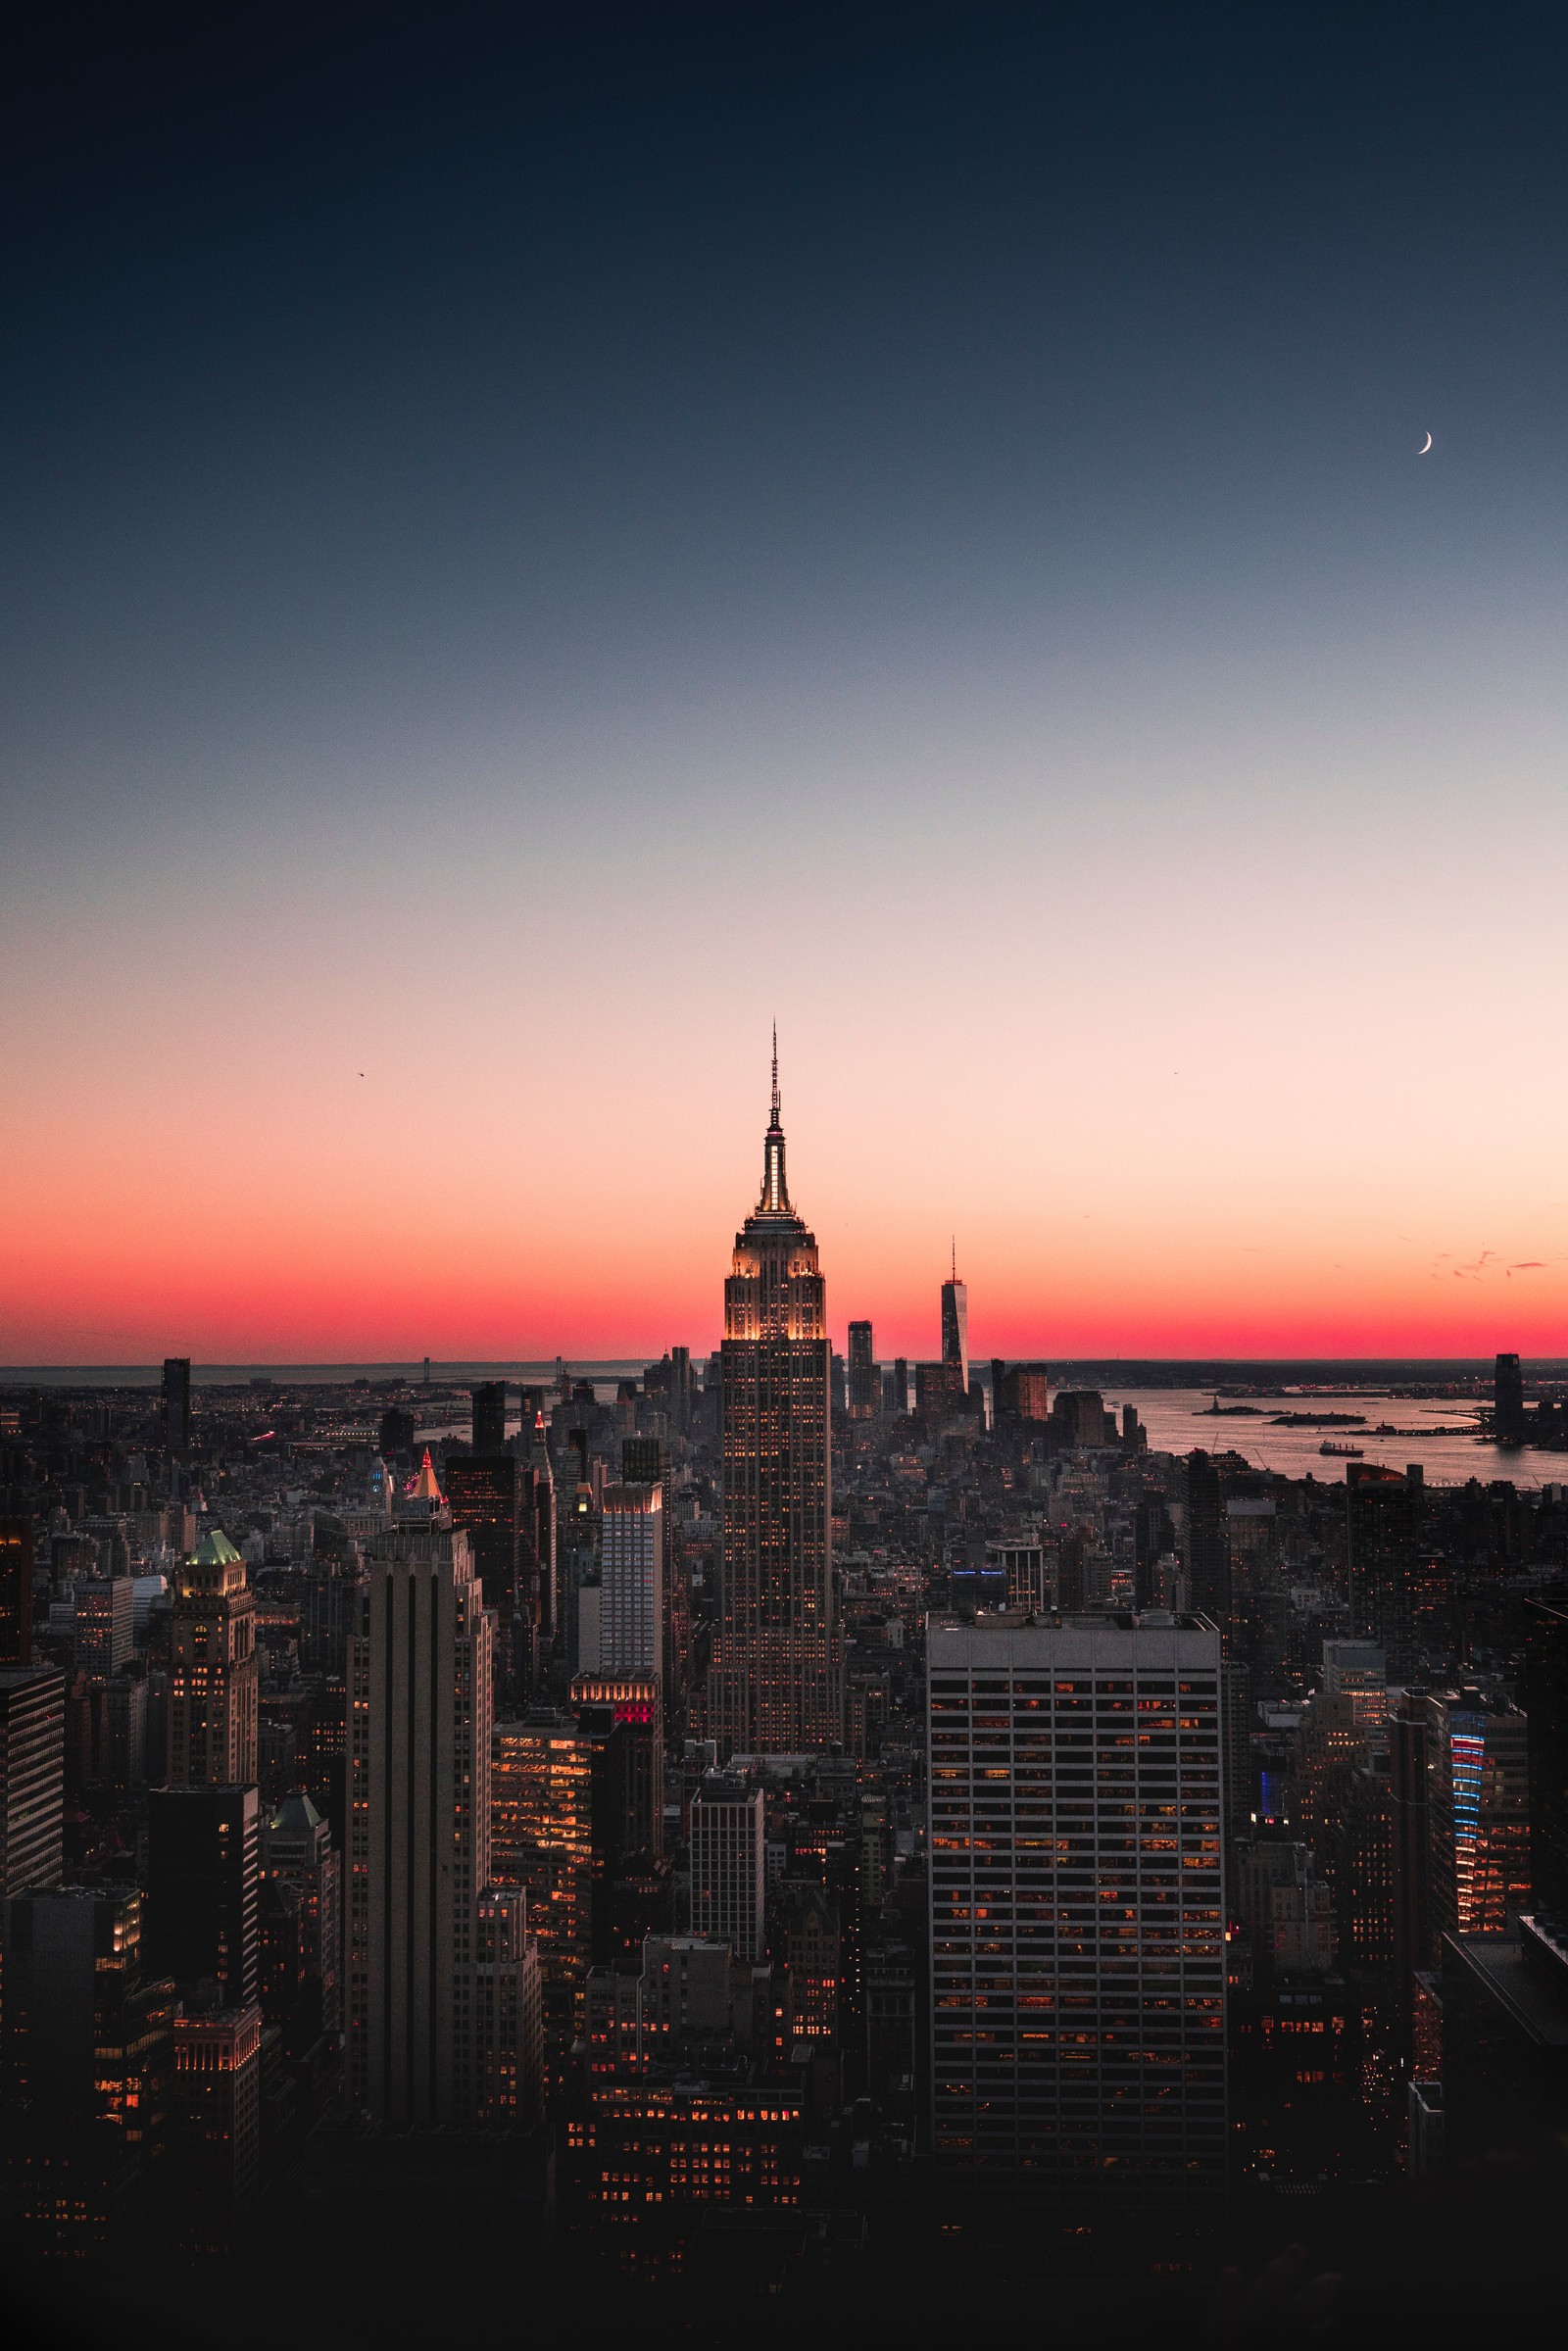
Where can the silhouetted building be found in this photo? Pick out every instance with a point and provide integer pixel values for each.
(33, 1782)
(1547, 1707)
(298, 1858)
(774, 1685)
(484, 1495)
(419, 1721)
(508, 2019)
(397, 1432)
(203, 1873)
(214, 2126)
(176, 1408)
(1382, 1534)
(489, 1424)
(1154, 1536)
(54, 1947)
(956, 1329)
(1410, 1847)
(865, 1383)
(16, 1593)
(1209, 1551)
(1509, 1402)
(1504, 2045)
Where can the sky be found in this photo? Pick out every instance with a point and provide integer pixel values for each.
(538, 542)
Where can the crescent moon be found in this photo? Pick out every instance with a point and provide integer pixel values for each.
(1425, 446)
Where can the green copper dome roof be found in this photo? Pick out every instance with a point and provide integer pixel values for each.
(215, 1550)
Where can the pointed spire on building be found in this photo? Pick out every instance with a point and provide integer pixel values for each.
(425, 1485)
(775, 1199)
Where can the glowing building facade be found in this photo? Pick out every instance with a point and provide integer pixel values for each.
(775, 1683)
(214, 1687)
(1479, 1810)
(1078, 1915)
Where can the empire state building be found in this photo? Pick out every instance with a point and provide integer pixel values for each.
(774, 1685)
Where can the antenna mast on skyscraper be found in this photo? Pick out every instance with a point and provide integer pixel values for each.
(775, 1073)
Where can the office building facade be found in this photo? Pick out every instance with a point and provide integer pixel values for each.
(1077, 1915)
(213, 1685)
(33, 1777)
(16, 1593)
(418, 1808)
(202, 1882)
(865, 1381)
(956, 1331)
(631, 1571)
(729, 1865)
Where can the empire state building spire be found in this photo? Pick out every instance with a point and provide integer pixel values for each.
(775, 1678)
(775, 1199)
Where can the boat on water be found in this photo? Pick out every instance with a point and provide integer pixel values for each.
(1347, 1452)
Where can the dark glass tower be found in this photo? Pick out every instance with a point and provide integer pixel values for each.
(1208, 1557)
(774, 1685)
(956, 1332)
(1509, 1402)
(865, 1385)
(177, 1406)
(490, 1417)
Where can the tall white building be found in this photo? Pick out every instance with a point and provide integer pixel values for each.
(419, 1793)
(631, 1599)
(1078, 1912)
(729, 1864)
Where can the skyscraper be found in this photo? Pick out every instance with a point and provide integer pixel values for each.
(1209, 1551)
(484, 1493)
(1479, 1812)
(631, 1560)
(204, 1850)
(955, 1330)
(214, 1687)
(1383, 1534)
(418, 1772)
(33, 1747)
(490, 1416)
(865, 1385)
(1078, 1914)
(177, 1406)
(542, 1832)
(16, 1592)
(1546, 1705)
(729, 1864)
(775, 1680)
(1509, 1402)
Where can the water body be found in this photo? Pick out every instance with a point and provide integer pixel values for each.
(1179, 1418)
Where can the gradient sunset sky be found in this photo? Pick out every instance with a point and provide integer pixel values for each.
(538, 541)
